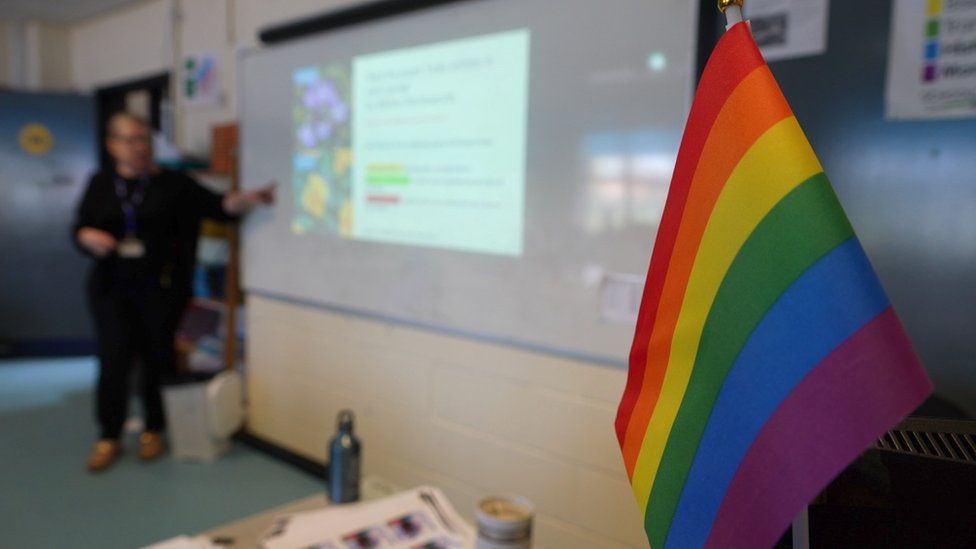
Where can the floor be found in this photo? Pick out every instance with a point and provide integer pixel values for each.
(48, 499)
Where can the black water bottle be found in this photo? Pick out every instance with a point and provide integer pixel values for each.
(344, 455)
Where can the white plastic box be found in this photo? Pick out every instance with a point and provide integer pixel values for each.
(202, 416)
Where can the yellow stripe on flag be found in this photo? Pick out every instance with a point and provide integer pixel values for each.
(778, 162)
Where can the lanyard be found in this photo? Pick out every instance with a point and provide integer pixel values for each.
(130, 201)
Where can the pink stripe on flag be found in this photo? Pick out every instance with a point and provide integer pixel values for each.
(864, 387)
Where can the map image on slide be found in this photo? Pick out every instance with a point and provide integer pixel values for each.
(321, 180)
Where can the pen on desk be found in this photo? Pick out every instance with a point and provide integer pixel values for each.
(433, 503)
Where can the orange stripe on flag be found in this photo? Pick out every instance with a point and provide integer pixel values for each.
(739, 124)
(738, 56)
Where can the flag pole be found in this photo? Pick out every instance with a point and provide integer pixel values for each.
(732, 10)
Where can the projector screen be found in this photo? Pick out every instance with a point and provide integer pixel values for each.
(493, 168)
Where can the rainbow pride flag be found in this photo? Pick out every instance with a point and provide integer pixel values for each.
(766, 356)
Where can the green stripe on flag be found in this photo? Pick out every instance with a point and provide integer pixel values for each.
(804, 226)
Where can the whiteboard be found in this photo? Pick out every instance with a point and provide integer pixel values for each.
(606, 94)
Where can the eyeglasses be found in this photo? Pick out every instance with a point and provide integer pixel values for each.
(133, 139)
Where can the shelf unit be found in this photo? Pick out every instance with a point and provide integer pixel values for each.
(220, 177)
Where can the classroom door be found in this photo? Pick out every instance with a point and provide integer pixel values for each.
(47, 152)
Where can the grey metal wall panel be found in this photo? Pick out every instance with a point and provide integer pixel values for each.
(908, 187)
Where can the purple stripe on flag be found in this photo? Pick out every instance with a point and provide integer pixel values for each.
(836, 297)
(860, 390)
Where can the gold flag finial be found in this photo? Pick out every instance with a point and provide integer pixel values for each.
(726, 4)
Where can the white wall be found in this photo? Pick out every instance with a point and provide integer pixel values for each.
(5, 53)
(470, 417)
(35, 56)
(16, 55)
(153, 36)
(54, 71)
(124, 44)
(206, 27)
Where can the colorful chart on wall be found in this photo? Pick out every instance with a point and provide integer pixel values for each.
(932, 60)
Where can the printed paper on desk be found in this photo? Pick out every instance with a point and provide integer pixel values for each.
(183, 542)
(421, 518)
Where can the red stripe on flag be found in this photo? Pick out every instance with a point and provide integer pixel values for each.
(754, 107)
(735, 56)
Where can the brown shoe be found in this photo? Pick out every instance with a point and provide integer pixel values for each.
(151, 445)
(104, 454)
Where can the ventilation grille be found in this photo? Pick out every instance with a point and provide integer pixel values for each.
(953, 440)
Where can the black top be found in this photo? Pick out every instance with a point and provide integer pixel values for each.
(167, 223)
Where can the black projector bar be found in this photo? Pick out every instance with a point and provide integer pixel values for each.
(343, 17)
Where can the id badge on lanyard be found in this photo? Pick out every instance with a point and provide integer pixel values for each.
(130, 247)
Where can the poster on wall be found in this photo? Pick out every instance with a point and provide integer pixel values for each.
(932, 60)
(786, 29)
(200, 85)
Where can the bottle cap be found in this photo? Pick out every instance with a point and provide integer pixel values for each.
(344, 420)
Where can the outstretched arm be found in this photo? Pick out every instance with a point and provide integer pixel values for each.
(240, 202)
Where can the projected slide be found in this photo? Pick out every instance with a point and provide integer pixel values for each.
(422, 146)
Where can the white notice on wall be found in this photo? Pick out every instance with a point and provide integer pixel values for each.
(785, 29)
(932, 60)
(200, 85)
(620, 298)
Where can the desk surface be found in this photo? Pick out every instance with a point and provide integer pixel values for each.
(245, 533)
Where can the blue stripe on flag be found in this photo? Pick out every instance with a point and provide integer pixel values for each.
(826, 305)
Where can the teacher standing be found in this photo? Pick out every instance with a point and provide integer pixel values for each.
(140, 223)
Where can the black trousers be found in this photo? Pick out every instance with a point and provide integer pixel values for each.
(135, 320)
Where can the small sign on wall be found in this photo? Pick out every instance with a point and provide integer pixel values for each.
(620, 297)
(200, 85)
(785, 29)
